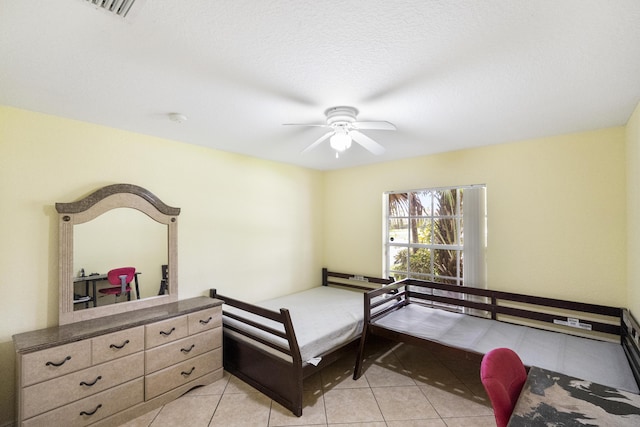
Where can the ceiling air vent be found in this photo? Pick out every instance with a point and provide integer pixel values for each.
(119, 7)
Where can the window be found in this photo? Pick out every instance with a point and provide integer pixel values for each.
(437, 235)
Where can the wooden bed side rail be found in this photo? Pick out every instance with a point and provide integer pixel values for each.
(493, 302)
(536, 307)
(631, 342)
(352, 280)
(282, 317)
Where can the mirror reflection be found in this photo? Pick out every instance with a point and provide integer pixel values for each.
(122, 237)
(119, 225)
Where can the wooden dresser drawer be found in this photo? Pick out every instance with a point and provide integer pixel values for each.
(117, 344)
(96, 372)
(166, 331)
(60, 391)
(205, 320)
(160, 357)
(53, 362)
(93, 408)
(169, 378)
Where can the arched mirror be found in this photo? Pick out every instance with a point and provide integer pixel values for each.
(117, 226)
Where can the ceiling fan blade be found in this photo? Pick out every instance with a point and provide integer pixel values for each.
(367, 142)
(379, 125)
(318, 141)
(323, 125)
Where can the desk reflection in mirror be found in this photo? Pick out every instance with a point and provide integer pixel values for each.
(89, 295)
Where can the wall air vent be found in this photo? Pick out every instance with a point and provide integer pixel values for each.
(118, 7)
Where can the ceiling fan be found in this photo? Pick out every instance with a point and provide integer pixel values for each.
(345, 128)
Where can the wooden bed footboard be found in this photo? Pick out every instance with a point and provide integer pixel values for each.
(268, 358)
(582, 319)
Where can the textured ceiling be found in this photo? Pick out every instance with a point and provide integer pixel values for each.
(448, 74)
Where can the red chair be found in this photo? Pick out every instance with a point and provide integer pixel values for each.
(503, 375)
(120, 280)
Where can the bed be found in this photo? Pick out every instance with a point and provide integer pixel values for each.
(273, 345)
(589, 341)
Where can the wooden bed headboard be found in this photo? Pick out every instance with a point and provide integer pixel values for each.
(352, 281)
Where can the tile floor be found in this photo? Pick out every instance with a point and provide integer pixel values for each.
(403, 385)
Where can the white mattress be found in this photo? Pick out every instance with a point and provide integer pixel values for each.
(323, 318)
(589, 359)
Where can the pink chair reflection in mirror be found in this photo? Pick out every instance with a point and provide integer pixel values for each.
(120, 281)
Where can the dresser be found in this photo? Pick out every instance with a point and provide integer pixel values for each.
(106, 371)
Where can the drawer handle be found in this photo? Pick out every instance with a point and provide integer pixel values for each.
(204, 322)
(93, 383)
(186, 374)
(119, 347)
(91, 412)
(58, 364)
(166, 334)
(187, 350)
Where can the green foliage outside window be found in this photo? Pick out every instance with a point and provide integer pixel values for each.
(433, 219)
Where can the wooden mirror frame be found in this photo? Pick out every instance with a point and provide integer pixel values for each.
(84, 210)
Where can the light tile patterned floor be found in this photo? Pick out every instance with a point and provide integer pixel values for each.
(403, 385)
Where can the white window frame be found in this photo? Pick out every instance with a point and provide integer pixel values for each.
(471, 246)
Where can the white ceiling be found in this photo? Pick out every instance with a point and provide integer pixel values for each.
(449, 74)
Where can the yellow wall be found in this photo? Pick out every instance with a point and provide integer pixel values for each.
(556, 212)
(244, 222)
(633, 212)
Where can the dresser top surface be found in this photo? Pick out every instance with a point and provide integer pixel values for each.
(57, 335)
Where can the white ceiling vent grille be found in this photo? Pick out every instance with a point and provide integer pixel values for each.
(118, 7)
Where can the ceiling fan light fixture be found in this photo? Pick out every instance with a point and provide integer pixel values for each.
(177, 117)
(340, 141)
(345, 128)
